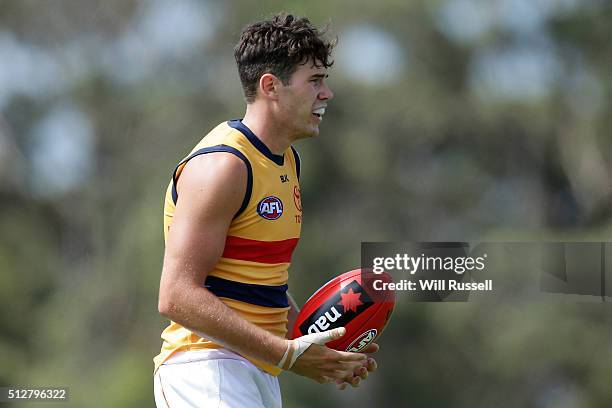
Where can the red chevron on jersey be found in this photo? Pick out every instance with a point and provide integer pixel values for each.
(268, 252)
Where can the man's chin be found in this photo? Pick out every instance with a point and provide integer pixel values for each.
(308, 133)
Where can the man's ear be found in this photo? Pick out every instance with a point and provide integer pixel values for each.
(269, 86)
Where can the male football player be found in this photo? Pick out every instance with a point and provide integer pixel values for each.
(232, 219)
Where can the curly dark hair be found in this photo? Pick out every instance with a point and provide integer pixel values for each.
(277, 46)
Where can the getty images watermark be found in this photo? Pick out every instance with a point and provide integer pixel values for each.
(462, 271)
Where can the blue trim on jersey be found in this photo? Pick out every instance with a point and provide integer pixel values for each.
(261, 295)
(298, 164)
(259, 145)
(214, 149)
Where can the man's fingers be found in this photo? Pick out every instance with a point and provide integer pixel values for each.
(345, 356)
(325, 379)
(353, 379)
(371, 348)
(341, 384)
(372, 365)
(363, 373)
(336, 333)
(342, 368)
(344, 375)
(324, 337)
(352, 366)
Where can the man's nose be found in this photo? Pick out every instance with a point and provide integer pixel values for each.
(326, 93)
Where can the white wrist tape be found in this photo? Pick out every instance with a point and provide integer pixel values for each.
(296, 347)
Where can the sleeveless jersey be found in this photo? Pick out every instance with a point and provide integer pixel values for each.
(251, 275)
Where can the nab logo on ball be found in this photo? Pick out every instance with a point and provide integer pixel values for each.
(338, 310)
(360, 342)
(270, 208)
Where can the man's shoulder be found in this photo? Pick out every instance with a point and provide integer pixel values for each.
(224, 170)
(221, 160)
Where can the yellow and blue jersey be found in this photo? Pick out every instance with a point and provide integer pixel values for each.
(251, 275)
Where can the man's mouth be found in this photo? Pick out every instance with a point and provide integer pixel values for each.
(319, 112)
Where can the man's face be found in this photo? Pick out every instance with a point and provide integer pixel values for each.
(303, 101)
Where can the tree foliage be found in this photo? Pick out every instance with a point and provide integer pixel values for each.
(471, 120)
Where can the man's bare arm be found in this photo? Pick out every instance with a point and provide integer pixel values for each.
(211, 189)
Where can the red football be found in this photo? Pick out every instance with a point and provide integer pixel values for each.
(345, 301)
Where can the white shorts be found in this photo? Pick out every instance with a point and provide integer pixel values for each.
(214, 378)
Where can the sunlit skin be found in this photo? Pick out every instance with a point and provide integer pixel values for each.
(282, 114)
(288, 109)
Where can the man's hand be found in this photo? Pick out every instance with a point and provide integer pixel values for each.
(369, 365)
(320, 363)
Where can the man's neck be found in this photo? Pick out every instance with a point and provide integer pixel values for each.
(273, 136)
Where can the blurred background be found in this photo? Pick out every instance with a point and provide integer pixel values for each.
(452, 120)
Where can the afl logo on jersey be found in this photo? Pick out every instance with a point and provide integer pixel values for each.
(270, 208)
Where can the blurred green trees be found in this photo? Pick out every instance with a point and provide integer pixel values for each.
(452, 120)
